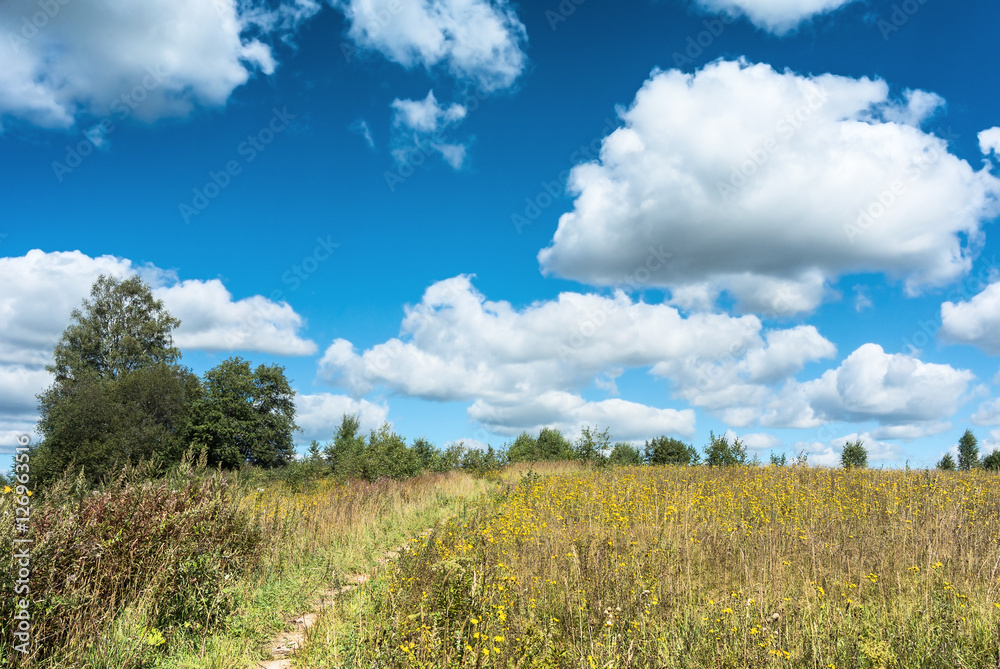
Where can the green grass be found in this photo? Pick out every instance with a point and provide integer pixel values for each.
(206, 568)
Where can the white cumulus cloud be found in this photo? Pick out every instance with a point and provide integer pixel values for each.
(989, 141)
(419, 125)
(776, 16)
(892, 389)
(988, 413)
(770, 185)
(319, 415)
(476, 41)
(975, 321)
(757, 441)
(525, 368)
(569, 413)
(147, 59)
(212, 321)
(911, 431)
(828, 454)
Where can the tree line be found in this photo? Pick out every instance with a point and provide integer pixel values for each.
(968, 456)
(121, 396)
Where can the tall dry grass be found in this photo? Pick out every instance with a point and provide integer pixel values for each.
(202, 567)
(699, 567)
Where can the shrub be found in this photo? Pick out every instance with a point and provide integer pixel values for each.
(386, 455)
(669, 451)
(424, 452)
(552, 445)
(346, 453)
(854, 455)
(947, 463)
(448, 459)
(625, 454)
(179, 542)
(992, 461)
(524, 449)
(593, 446)
(481, 462)
(720, 453)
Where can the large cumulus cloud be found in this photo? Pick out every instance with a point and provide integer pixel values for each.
(769, 185)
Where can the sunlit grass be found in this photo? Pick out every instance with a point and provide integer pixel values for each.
(696, 567)
(100, 561)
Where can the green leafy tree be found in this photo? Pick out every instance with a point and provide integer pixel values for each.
(119, 394)
(778, 460)
(481, 461)
(388, 457)
(245, 416)
(524, 449)
(121, 328)
(854, 455)
(451, 458)
(968, 451)
(947, 463)
(992, 461)
(720, 453)
(593, 446)
(315, 453)
(665, 450)
(425, 453)
(552, 445)
(346, 453)
(625, 454)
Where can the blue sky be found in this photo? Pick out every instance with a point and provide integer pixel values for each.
(473, 218)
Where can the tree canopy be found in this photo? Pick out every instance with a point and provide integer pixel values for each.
(122, 328)
(666, 450)
(854, 455)
(968, 451)
(119, 394)
(245, 415)
(720, 453)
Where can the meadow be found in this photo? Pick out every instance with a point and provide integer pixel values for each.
(537, 565)
(202, 567)
(693, 567)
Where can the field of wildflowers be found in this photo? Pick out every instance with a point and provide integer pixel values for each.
(693, 567)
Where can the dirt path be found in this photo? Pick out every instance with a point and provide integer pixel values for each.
(283, 646)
